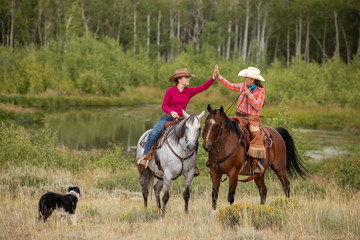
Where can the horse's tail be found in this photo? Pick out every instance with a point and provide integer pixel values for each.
(294, 164)
(150, 184)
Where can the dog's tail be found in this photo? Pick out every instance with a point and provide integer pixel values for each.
(42, 210)
(40, 207)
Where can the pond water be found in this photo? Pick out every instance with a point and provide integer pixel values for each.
(98, 128)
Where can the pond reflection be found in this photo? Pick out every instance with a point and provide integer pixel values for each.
(99, 128)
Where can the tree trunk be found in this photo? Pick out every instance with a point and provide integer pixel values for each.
(324, 40)
(228, 40)
(85, 21)
(263, 37)
(321, 47)
(348, 53)
(307, 41)
(298, 39)
(148, 36)
(172, 35)
(276, 46)
(3, 33)
(288, 47)
(134, 23)
(39, 24)
(244, 48)
(258, 25)
(236, 38)
(199, 23)
(12, 24)
(337, 45)
(358, 46)
(158, 35)
(240, 42)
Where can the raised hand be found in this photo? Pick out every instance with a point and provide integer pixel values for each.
(216, 72)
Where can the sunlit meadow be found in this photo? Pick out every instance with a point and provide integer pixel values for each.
(322, 210)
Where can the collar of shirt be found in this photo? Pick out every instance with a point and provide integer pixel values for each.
(183, 91)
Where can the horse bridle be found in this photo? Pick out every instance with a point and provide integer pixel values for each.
(181, 159)
(217, 162)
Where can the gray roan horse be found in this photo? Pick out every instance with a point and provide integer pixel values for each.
(176, 157)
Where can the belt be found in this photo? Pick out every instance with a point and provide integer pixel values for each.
(172, 116)
(242, 114)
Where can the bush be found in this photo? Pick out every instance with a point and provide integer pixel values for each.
(258, 216)
(348, 172)
(140, 215)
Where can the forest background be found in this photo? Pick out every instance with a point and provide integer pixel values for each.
(308, 51)
(58, 53)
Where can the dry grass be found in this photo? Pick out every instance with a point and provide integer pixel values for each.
(333, 215)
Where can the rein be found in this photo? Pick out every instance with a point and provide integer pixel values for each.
(217, 162)
(232, 104)
(172, 150)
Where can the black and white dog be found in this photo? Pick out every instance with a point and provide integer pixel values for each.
(64, 203)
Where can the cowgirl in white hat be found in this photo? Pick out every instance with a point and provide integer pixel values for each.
(251, 100)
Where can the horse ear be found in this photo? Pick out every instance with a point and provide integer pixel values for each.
(201, 114)
(221, 110)
(209, 108)
(185, 114)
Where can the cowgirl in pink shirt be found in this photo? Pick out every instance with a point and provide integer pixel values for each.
(175, 100)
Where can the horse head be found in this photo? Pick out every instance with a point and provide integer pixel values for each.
(212, 126)
(189, 129)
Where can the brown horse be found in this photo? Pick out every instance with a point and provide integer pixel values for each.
(227, 146)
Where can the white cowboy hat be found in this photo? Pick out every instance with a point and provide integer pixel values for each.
(251, 72)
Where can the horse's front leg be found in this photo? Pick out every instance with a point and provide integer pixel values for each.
(233, 179)
(166, 184)
(260, 183)
(215, 178)
(186, 195)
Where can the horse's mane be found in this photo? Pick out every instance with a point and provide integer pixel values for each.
(234, 126)
(229, 123)
(179, 129)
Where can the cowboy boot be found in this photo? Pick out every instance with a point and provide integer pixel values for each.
(259, 167)
(143, 162)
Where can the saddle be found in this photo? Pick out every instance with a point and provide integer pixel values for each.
(161, 139)
(251, 163)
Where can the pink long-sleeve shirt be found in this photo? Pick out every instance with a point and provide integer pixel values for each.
(174, 100)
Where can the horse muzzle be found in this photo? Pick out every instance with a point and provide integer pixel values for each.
(191, 147)
(206, 147)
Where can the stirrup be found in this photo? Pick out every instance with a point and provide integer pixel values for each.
(146, 163)
(197, 173)
(262, 169)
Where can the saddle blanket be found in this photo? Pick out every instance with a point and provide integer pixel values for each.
(159, 142)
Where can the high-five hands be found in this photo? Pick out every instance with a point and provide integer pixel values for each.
(216, 72)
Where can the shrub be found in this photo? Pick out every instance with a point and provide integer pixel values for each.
(140, 215)
(348, 172)
(285, 203)
(259, 216)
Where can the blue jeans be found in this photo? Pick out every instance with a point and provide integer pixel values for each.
(157, 130)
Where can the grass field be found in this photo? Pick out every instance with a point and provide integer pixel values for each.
(326, 211)
(111, 205)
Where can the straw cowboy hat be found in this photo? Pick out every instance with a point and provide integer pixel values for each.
(181, 73)
(251, 72)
